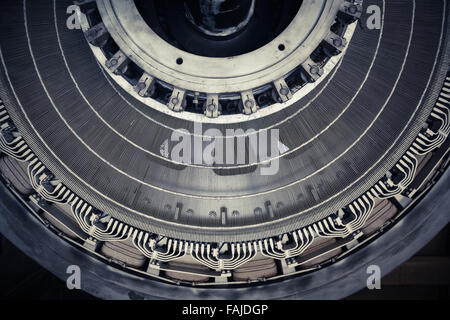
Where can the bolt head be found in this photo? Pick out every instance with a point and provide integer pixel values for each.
(314, 70)
(284, 91)
(249, 104)
(113, 62)
(337, 42)
(353, 9)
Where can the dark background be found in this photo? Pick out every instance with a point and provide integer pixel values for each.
(425, 276)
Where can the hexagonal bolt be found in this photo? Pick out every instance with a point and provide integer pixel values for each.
(351, 10)
(334, 43)
(97, 35)
(312, 70)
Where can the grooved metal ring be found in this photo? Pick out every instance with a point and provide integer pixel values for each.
(238, 76)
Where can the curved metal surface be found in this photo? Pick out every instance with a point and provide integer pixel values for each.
(150, 174)
(328, 68)
(333, 282)
(165, 182)
(348, 134)
(218, 75)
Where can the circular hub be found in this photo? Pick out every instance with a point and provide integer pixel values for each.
(356, 137)
(268, 64)
(246, 25)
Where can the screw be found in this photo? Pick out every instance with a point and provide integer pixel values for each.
(337, 42)
(284, 91)
(249, 104)
(314, 70)
(353, 9)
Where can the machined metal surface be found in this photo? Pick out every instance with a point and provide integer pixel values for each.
(217, 75)
(253, 71)
(165, 183)
(357, 151)
(334, 282)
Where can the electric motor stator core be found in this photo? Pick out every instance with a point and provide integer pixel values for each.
(223, 144)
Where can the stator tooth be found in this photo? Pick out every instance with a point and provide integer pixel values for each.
(350, 11)
(97, 35)
(282, 89)
(117, 62)
(334, 44)
(212, 107)
(248, 103)
(145, 86)
(177, 101)
(311, 70)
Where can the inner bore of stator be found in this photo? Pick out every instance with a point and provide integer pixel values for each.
(219, 18)
(218, 28)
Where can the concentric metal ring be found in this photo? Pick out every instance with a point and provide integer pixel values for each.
(237, 80)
